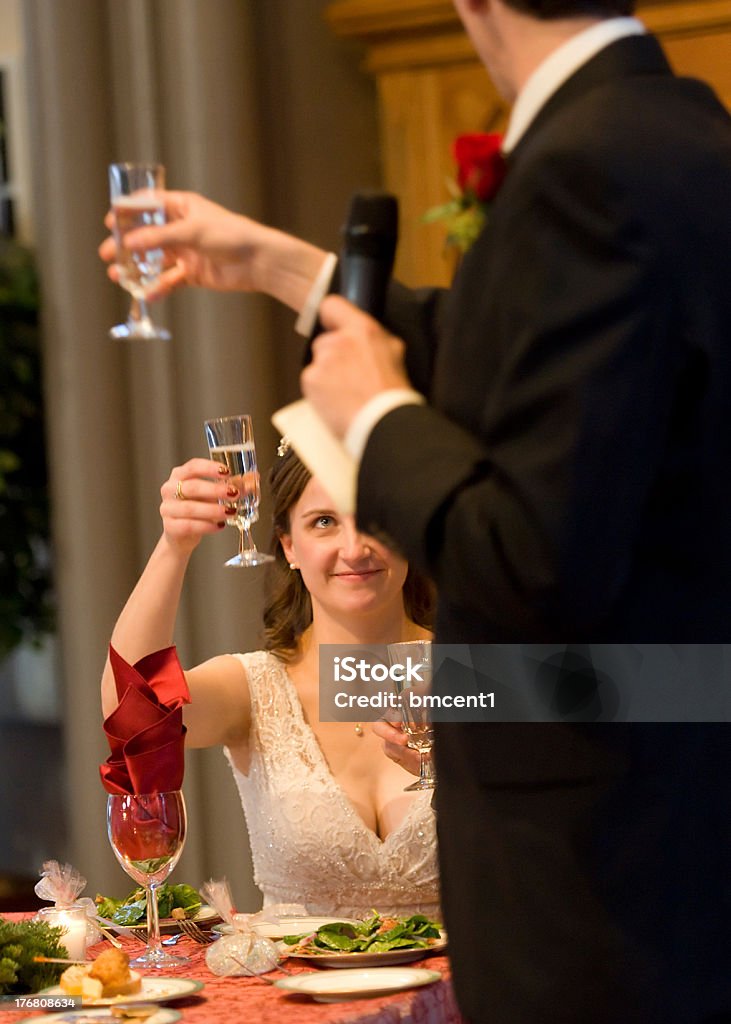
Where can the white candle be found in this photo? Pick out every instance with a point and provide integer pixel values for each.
(73, 922)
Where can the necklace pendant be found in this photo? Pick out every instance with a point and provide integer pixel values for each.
(358, 729)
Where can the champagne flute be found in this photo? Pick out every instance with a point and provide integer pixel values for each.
(135, 193)
(147, 834)
(231, 442)
(412, 685)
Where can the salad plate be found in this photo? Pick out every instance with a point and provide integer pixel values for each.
(357, 984)
(387, 958)
(154, 990)
(377, 941)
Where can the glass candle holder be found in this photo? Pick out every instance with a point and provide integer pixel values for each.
(73, 921)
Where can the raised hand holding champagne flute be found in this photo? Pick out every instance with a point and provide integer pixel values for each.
(231, 443)
(135, 191)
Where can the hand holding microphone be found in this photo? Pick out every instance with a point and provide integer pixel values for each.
(353, 357)
(353, 360)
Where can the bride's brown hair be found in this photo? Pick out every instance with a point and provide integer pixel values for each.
(287, 604)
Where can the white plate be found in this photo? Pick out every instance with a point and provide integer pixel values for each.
(286, 926)
(154, 990)
(357, 984)
(391, 956)
(163, 1015)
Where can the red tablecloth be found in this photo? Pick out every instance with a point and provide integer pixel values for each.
(227, 999)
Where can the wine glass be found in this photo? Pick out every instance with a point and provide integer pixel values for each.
(231, 442)
(135, 193)
(412, 685)
(147, 834)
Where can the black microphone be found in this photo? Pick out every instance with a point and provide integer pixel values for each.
(366, 258)
(369, 247)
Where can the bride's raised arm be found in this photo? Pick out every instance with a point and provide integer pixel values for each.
(190, 509)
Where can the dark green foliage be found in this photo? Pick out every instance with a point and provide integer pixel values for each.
(20, 941)
(26, 610)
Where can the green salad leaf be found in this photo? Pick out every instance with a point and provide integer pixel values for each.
(133, 909)
(106, 906)
(373, 935)
(187, 897)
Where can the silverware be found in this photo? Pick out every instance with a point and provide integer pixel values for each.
(191, 929)
(170, 940)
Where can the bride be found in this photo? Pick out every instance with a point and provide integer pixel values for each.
(329, 822)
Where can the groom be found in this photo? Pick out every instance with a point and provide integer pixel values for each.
(557, 454)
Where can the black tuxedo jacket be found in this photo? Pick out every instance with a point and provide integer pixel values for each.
(569, 479)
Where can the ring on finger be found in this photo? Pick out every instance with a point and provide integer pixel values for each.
(179, 491)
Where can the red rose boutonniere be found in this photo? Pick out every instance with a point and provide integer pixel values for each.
(480, 172)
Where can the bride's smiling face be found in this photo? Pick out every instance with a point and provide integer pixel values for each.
(344, 570)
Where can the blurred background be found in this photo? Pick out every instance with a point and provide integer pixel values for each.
(259, 106)
(280, 109)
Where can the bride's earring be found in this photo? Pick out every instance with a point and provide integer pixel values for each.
(293, 565)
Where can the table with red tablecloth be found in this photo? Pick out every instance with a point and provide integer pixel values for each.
(227, 999)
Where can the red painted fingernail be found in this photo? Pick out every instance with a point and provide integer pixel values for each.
(223, 470)
(232, 492)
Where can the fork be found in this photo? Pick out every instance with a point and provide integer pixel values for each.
(141, 934)
(195, 933)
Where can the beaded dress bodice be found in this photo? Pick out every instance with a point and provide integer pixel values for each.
(309, 844)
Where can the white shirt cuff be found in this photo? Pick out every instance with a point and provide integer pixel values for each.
(366, 418)
(308, 314)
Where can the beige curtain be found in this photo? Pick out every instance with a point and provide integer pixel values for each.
(254, 104)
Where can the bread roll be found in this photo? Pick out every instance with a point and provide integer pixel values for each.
(107, 977)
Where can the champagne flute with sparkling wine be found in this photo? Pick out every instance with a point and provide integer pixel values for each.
(231, 442)
(136, 196)
(413, 683)
(147, 834)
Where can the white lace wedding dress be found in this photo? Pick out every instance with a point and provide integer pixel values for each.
(309, 844)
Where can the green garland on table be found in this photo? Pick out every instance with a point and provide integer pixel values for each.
(20, 941)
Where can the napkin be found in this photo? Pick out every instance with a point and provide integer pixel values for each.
(145, 731)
